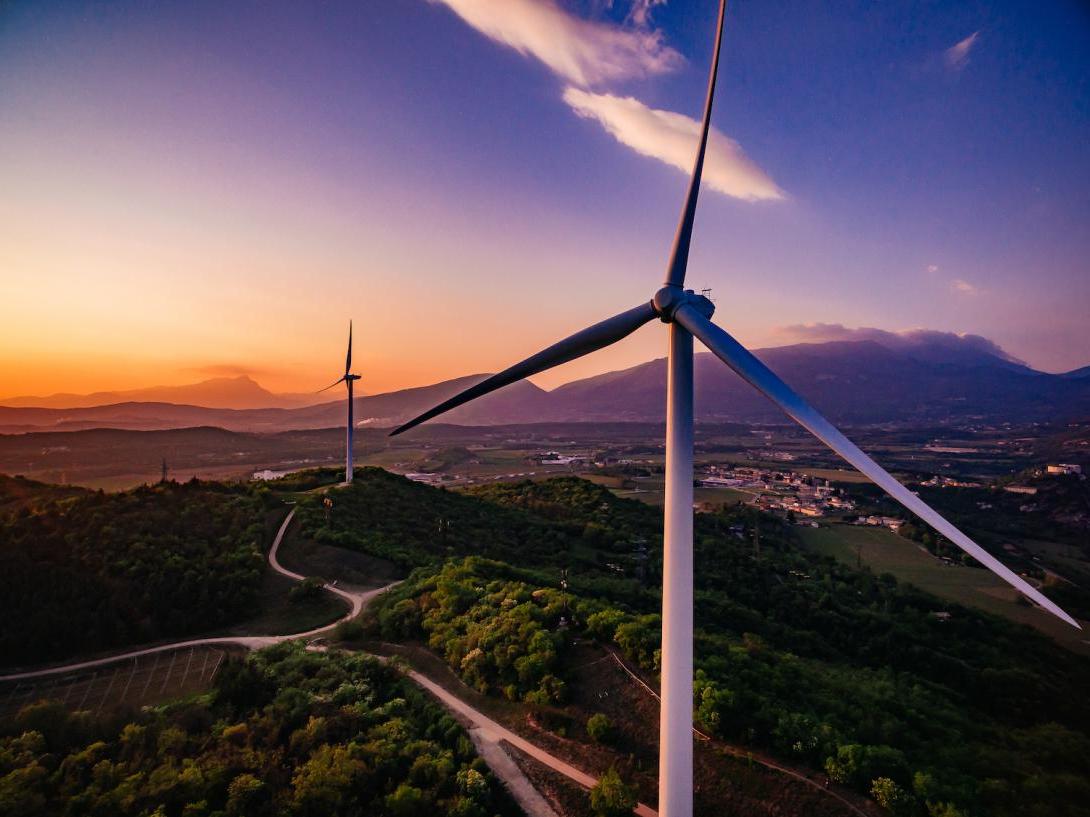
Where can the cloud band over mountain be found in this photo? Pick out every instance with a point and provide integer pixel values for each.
(903, 340)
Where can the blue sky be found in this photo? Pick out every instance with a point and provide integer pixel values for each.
(239, 179)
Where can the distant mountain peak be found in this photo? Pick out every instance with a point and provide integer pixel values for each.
(223, 392)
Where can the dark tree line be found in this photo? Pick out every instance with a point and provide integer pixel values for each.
(86, 570)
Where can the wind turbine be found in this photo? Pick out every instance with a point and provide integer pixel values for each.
(687, 315)
(348, 379)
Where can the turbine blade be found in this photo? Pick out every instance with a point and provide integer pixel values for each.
(582, 343)
(348, 360)
(331, 385)
(765, 381)
(679, 255)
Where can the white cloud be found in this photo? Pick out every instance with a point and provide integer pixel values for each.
(963, 287)
(932, 268)
(672, 138)
(957, 55)
(640, 12)
(584, 52)
(591, 53)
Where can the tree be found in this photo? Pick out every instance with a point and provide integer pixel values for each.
(246, 795)
(610, 797)
(324, 782)
(892, 797)
(307, 590)
(600, 728)
(407, 801)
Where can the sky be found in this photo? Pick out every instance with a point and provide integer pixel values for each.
(195, 189)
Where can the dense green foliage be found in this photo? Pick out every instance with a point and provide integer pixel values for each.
(84, 570)
(834, 667)
(285, 733)
(498, 635)
(610, 797)
(412, 524)
(599, 728)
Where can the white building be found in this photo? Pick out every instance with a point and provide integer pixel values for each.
(1063, 468)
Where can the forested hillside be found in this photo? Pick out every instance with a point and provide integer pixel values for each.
(833, 667)
(412, 524)
(284, 732)
(83, 570)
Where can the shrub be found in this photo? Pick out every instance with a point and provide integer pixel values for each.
(610, 797)
(600, 728)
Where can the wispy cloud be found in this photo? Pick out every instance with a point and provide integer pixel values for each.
(932, 268)
(584, 52)
(956, 56)
(964, 287)
(671, 138)
(591, 53)
(640, 12)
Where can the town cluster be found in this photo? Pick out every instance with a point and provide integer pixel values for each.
(775, 490)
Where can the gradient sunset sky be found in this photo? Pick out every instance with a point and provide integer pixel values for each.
(190, 189)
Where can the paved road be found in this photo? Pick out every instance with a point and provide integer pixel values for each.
(495, 732)
(356, 603)
(501, 764)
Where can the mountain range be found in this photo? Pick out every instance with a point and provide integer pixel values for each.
(852, 381)
(240, 392)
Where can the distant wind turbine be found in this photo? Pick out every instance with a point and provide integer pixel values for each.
(687, 315)
(348, 379)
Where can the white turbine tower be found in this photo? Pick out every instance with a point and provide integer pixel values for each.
(687, 315)
(348, 379)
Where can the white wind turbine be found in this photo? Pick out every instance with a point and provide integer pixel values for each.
(348, 379)
(687, 315)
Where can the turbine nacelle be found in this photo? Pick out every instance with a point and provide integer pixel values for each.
(671, 298)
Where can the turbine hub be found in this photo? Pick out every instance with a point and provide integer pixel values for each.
(669, 299)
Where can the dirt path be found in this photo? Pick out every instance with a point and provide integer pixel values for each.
(501, 764)
(742, 753)
(496, 732)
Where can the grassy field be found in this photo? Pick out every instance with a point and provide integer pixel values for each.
(127, 684)
(884, 551)
(282, 615)
(651, 491)
(833, 474)
(351, 570)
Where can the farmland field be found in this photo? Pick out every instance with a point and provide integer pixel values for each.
(129, 684)
(884, 551)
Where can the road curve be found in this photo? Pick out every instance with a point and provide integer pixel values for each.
(357, 601)
(496, 732)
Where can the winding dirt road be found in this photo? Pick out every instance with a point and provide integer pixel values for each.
(488, 729)
(356, 602)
